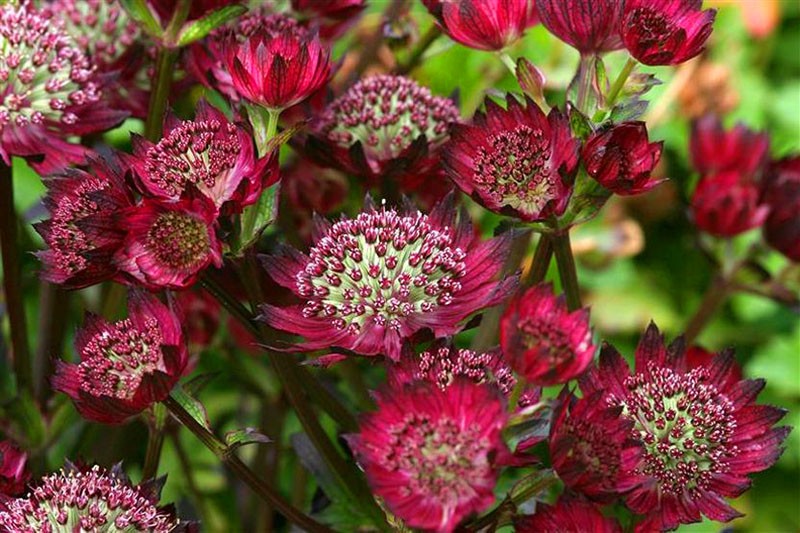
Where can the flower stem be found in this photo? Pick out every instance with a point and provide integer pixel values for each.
(508, 62)
(155, 441)
(12, 282)
(265, 124)
(566, 268)
(159, 94)
(419, 50)
(540, 263)
(616, 87)
(241, 470)
(716, 294)
(585, 77)
(53, 317)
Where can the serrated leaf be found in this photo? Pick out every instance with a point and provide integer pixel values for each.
(193, 406)
(140, 12)
(198, 29)
(242, 437)
(629, 110)
(198, 383)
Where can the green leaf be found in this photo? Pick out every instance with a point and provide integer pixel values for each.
(140, 12)
(579, 123)
(256, 218)
(192, 406)
(200, 28)
(242, 437)
(531, 80)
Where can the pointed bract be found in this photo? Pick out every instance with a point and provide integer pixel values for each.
(14, 473)
(567, 515)
(484, 24)
(589, 26)
(728, 204)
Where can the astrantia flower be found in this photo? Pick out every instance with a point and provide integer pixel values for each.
(622, 157)
(428, 453)
(333, 17)
(384, 127)
(209, 155)
(200, 315)
(542, 340)
(371, 282)
(47, 91)
(665, 32)
(782, 227)
(14, 472)
(82, 234)
(728, 204)
(515, 161)
(702, 432)
(590, 444)
(484, 24)
(125, 366)
(715, 150)
(569, 515)
(167, 245)
(590, 26)
(89, 500)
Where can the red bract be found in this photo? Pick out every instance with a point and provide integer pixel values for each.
(14, 472)
(83, 234)
(568, 515)
(622, 157)
(277, 71)
(333, 17)
(590, 445)
(542, 340)
(428, 453)
(198, 8)
(484, 24)
(590, 26)
(167, 245)
(782, 227)
(665, 32)
(125, 366)
(514, 161)
(208, 155)
(715, 150)
(371, 282)
(200, 316)
(47, 91)
(701, 431)
(726, 205)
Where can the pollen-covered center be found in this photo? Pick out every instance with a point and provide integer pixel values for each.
(652, 28)
(685, 425)
(444, 365)
(195, 153)
(380, 267)
(514, 168)
(115, 360)
(42, 71)
(594, 450)
(441, 459)
(386, 114)
(179, 240)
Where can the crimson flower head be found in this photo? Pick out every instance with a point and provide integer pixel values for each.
(515, 161)
(125, 366)
(782, 227)
(89, 499)
(208, 155)
(82, 234)
(14, 472)
(665, 32)
(701, 431)
(167, 245)
(429, 453)
(48, 91)
(484, 24)
(371, 282)
(727, 204)
(542, 340)
(622, 158)
(278, 70)
(568, 515)
(589, 26)
(714, 149)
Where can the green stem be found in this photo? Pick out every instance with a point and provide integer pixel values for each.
(155, 441)
(265, 125)
(713, 298)
(12, 282)
(419, 50)
(585, 77)
(159, 94)
(540, 263)
(616, 88)
(510, 64)
(228, 457)
(53, 317)
(566, 268)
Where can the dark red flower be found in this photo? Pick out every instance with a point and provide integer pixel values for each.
(569, 515)
(728, 204)
(48, 92)
(14, 473)
(665, 32)
(200, 316)
(166, 8)
(622, 158)
(484, 24)
(542, 340)
(332, 17)
(167, 245)
(208, 155)
(371, 282)
(277, 70)
(701, 431)
(782, 227)
(89, 499)
(309, 189)
(715, 150)
(428, 453)
(125, 366)
(514, 161)
(82, 234)
(590, 26)
(590, 445)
